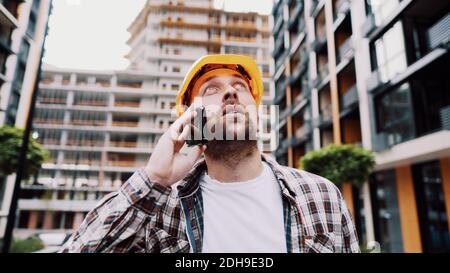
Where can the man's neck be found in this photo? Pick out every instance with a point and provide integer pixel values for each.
(233, 161)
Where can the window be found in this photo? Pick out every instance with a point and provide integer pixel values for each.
(381, 9)
(388, 53)
(175, 69)
(386, 215)
(394, 115)
(431, 207)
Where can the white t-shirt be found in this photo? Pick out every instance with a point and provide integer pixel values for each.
(243, 216)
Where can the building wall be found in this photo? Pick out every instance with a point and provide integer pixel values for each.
(21, 72)
(100, 126)
(351, 92)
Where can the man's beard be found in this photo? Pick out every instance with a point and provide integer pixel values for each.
(231, 151)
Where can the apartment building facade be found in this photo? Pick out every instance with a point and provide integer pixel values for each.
(101, 126)
(23, 26)
(372, 73)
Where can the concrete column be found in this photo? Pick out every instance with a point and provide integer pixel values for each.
(408, 210)
(347, 193)
(32, 220)
(48, 220)
(78, 219)
(445, 174)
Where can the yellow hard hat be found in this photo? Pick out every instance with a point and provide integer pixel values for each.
(245, 65)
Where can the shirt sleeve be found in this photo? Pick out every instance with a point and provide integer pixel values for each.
(117, 223)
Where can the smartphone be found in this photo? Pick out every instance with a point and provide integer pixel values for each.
(199, 122)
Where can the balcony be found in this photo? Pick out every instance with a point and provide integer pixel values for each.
(280, 61)
(124, 144)
(278, 45)
(345, 51)
(82, 143)
(303, 132)
(374, 81)
(285, 112)
(321, 76)
(280, 95)
(300, 68)
(445, 118)
(57, 205)
(49, 141)
(278, 24)
(314, 5)
(44, 100)
(350, 98)
(48, 121)
(133, 104)
(304, 94)
(341, 7)
(82, 161)
(97, 103)
(325, 116)
(439, 34)
(125, 123)
(385, 140)
(81, 122)
(125, 163)
(369, 25)
(319, 43)
(295, 13)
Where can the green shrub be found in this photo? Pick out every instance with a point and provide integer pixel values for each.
(10, 144)
(340, 163)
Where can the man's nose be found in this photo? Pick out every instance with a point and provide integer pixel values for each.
(230, 96)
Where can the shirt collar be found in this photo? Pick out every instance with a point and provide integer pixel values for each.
(190, 183)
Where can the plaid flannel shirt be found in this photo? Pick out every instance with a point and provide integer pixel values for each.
(147, 217)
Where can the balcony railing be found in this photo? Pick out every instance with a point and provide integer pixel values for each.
(439, 33)
(300, 68)
(279, 44)
(326, 115)
(133, 104)
(374, 81)
(91, 102)
(44, 100)
(125, 123)
(319, 43)
(303, 94)
(73, 161)
(341, 7)
(295, 13)
(369, 25)
(125, 144)
(350, 97)
(314, 4)
(303, 131)
(81, 122)
(278, 24)
(445, 118)
(48, 121)
(123, 163)
(285, 112)
(49, 141)
(78, 142)
(345, 50)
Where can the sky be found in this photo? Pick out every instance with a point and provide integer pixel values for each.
(92, 34)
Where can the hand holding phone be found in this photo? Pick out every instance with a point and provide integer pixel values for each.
(197, 136)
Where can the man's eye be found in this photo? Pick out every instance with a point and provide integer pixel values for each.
(210, 90)
(239, 86)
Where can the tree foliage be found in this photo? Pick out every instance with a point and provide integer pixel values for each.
(10, 144)
(340, 163)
